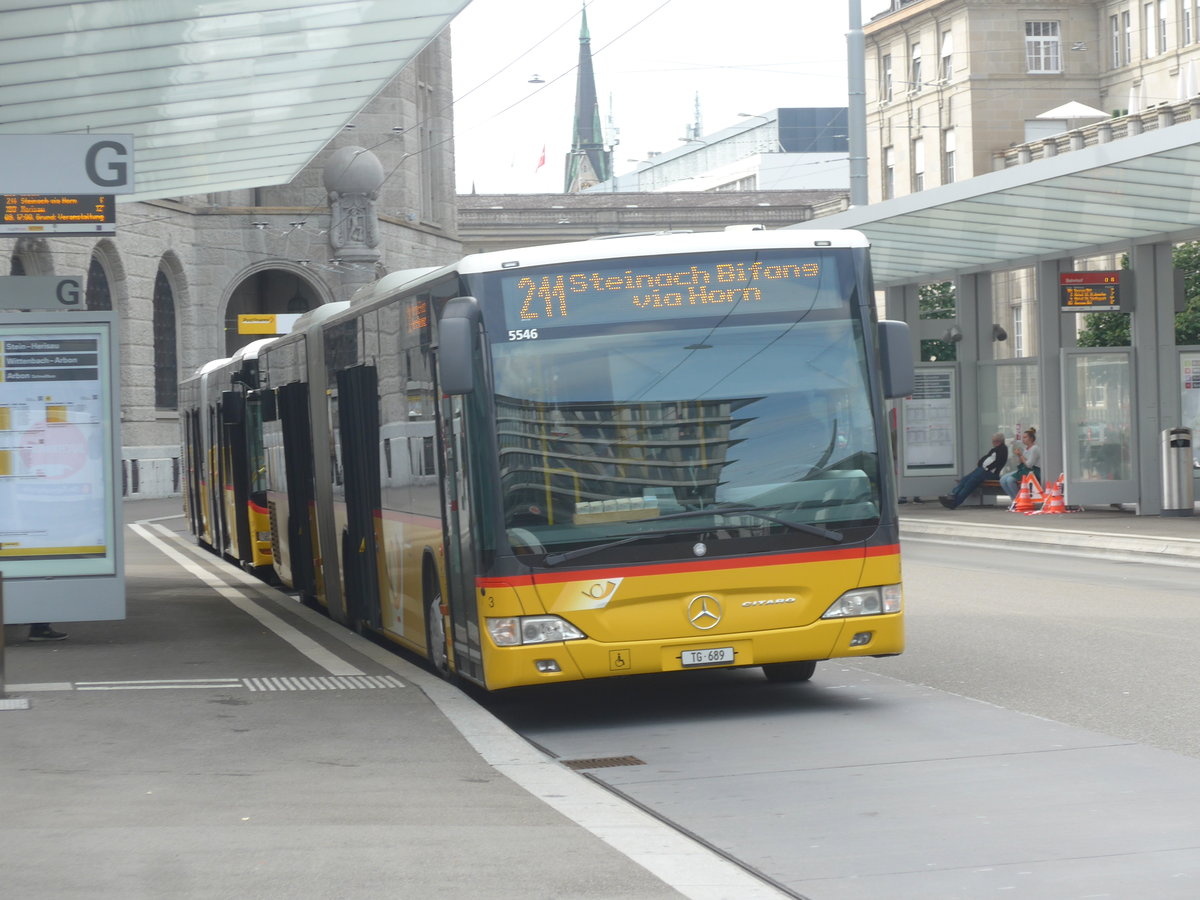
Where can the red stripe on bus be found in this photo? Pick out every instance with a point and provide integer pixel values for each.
(700, 565)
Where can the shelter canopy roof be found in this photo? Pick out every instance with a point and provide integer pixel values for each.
(218, 94)
(1100, 199)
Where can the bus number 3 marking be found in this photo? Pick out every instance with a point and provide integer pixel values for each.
(548, 289)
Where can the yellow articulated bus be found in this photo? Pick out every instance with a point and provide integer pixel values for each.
(631, 455)
(225, 469)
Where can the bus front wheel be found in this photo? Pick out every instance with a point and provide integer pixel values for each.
(790, 671)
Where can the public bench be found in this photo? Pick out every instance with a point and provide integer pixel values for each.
(989, 490)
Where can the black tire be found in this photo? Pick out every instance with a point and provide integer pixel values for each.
(790, 671)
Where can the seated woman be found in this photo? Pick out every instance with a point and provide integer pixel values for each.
(1029, 461)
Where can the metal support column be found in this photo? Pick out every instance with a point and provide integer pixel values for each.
(6, 702)
(1051, 430)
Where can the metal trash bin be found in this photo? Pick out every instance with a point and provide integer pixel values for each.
(1177, 490)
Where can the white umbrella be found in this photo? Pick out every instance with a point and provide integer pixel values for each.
(1073, 110)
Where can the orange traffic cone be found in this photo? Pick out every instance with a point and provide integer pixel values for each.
(1055, 503)
(1023, 503)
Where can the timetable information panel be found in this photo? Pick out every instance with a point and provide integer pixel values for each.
(53, 459)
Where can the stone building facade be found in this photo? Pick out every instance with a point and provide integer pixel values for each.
(953, 85)
(180, 270)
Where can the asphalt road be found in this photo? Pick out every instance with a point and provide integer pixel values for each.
(1038, 740)
(1108, 646)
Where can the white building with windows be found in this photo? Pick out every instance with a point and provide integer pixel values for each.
(786, 149)
(952, 85)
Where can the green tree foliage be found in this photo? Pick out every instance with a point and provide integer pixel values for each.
(1111, 329)
(1186, 258)
(1105, 329)
(937, 301)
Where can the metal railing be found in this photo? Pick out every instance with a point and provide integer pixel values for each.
(1161, 115)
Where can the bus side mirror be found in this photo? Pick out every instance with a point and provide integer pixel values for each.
(233, 407)
(457, 330)
(266, 404)
(896, 359)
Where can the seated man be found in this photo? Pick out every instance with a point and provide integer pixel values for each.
(989, 466)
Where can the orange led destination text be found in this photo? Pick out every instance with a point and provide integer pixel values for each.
(722, 283)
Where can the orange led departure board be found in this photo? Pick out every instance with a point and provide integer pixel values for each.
(73, 214)
(1089, 291)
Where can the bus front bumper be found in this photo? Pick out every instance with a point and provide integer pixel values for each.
(881, 635)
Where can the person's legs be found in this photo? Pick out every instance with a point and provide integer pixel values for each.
(1008, 484)
(41, 631)
(967, 485)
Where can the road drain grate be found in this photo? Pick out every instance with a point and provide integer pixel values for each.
(602, 762)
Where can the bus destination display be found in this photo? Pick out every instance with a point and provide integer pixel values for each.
(74, 214)
(1089, 291)
(669, 288)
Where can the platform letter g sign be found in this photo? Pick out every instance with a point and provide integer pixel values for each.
(117, 170)
(68, 292)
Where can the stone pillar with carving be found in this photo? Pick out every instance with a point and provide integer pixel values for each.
(353, 177)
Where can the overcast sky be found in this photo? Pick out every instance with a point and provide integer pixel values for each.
(652, 58)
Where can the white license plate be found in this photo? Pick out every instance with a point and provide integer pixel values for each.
(710, 656)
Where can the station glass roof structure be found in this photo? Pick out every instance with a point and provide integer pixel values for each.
(1086, 202)
(217, 94)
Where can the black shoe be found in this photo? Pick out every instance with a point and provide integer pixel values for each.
(45, 633)
(917, 500)
(948, 502)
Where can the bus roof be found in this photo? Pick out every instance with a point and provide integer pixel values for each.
(251, 350)
(619, 246)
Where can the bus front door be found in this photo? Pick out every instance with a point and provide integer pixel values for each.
(297, 460)
(358, 429)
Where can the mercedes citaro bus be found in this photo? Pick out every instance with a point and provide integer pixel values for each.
(638, 454)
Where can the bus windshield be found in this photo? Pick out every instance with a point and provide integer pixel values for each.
(747, 417)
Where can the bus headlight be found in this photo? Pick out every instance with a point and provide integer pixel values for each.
(514, 630)
(871, 601)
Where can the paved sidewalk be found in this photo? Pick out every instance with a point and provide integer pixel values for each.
(224, 741)
(1113, 532)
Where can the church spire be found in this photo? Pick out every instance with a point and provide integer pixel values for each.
(589, 162)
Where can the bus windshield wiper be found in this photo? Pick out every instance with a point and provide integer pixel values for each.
(554, 559)
(818, 530)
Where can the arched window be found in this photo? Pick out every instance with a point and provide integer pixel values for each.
(166, 376)
(97, 295)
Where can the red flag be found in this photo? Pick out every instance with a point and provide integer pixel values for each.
(542, 159)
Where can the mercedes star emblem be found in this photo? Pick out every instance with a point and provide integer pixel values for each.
(704, 612)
